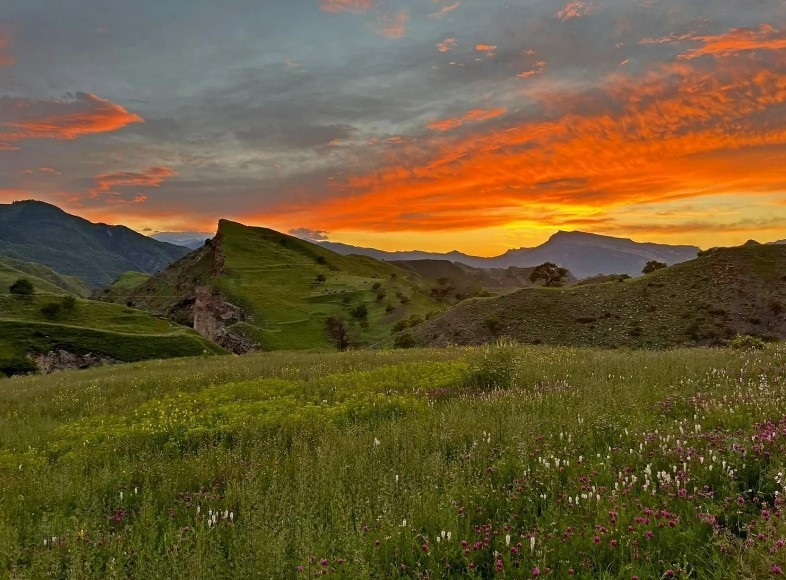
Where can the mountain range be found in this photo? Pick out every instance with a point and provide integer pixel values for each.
(33, 231)
(582, 253)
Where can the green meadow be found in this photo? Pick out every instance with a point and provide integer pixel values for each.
(495, 462)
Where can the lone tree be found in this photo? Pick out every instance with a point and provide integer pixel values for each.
(494, 325)
(653, 266)
(337, 331)
(550, 273)
(22, 287)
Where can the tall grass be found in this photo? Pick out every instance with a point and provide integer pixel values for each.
(510, 462)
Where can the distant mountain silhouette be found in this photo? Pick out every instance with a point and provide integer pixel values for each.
(582, 253)
(191, 240)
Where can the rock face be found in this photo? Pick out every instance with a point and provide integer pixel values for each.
(213, 317)
(62, 360)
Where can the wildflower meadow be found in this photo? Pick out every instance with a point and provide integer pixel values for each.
(497, 462)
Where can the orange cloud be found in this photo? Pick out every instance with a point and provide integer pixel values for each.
(353, 6)
(739, 40)
(575, 10)
(473, 115)
(446, 9)
(393, 25)
(447, 45)
(487, 48)
(67, 119)
(6, 58)
(679, 131)
(152, 177)
(536, 69)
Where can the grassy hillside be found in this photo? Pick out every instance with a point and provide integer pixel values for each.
(124, 286)
(508, 462)
(96, 328)
(42, 278)
(37, 232)
(458, 281)
(277, 292)
(705, 301)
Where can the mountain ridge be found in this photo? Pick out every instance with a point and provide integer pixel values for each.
(583, 253)
(35, 231)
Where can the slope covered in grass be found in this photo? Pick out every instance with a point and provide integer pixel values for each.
(704, 301)
(38, 232)
(95, 328)
(43, 279)
(271, 291)
(509, 462)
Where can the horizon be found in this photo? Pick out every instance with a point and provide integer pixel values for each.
(148, 232)
(441, 125)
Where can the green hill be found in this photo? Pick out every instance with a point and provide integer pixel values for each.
(701, 302)
(43, 279)
(34, 231)
(85, 334)
(124, 285)
(255, 288)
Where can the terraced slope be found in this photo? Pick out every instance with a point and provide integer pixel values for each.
(701, 302)
(255, 288)
(43, 279)
(86, 334)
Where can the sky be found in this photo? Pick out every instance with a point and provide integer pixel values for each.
(477, 125)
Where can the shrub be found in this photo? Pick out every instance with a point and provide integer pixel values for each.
(376, 286)
(17, 366)
(493, 324)
(653, 266)
(51, 310)
(405, 340)
(68, 303)
(22, 287)
(746, 342)
(321, 278)
(360, 312)
(495, 367)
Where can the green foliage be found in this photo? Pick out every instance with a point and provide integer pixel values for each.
(493, 324)
(22, 287)
(404, 340)
(549, 273)
(653, 266)
(747, 342)
(51, 310)
(360, 312)
(495, 367)
(68, 303)
(614, 464)
(337, 330)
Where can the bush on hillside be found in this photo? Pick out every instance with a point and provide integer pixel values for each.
(68, 303)
(746, 342)
(17, 366)
(51, 310)
(405, 340)
(22, 287)
(495, 367)
(653, 266)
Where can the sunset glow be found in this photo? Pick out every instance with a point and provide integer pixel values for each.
(424, 124)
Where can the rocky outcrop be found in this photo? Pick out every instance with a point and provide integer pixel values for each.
(62, 360)
(214, 317)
